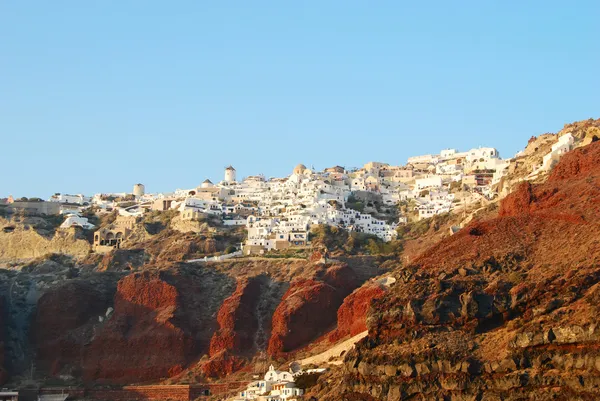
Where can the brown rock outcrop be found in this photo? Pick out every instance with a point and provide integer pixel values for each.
(160, 323)
(309, 308)
(223, 364)
(121, 260)
(145, 338)
(518, 202)
(352, 315)
(64, 322)
(237, 319)
(238, 323)
(20, 241)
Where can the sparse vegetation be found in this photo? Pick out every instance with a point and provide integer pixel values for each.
(421, 227)
(354, 243)
(156, 221)
(290, 253)
(355, 204)
(229, 249)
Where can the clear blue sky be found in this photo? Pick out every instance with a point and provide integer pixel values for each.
(98, 95)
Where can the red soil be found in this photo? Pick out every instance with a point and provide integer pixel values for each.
(222, 365)
(541, 223)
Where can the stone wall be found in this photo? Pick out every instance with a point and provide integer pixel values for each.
(150, 392)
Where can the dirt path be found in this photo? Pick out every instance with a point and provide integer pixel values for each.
(333, 352)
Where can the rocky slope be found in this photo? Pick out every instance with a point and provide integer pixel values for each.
(309, 307)
(352, 314)
(3, 372)
(23, 238)
(65, 321)
(238, 325)
(162, 320)
(119, 322)
(503, 310)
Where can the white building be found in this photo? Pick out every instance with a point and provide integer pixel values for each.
(448, 153)
(422, 159)
(481, 154)
(279, 385)
(432, 181)
(77, 221)
(139, 190)
(72, 199)
(562, 146)
(229, 175)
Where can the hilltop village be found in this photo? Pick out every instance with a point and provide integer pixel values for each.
(276, 289)
(278, 213)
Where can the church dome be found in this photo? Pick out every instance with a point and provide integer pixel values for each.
(299, 169)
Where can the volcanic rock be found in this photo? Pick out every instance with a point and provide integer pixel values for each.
(521, 323)
(352, 315)
(64, 322)
(309, 308)
(3, 372)
(159, 324)
(237, 319)
(238, 323)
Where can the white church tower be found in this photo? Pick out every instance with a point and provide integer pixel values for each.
(229, 175)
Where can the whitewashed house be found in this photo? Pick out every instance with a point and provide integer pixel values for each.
(432, 181)
(72, 199)
(77, 221)
(562, 146)
(279, 385)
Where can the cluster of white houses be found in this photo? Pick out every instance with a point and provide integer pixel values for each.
(276, 386)
(278, 212)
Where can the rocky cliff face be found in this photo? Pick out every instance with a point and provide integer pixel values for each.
(309, 307)
(65, 320)
(502, 310)
(105, 322)
(143, 339)
(238, 325)
(352, 314)
(237, 319)
(22, 240)
(3, 372)
(161, 322)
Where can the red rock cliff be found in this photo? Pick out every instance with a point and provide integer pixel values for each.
(309, 308)
(352, 315)
(237, 328)
(64, 321)
(146, 338)
(237, 319)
